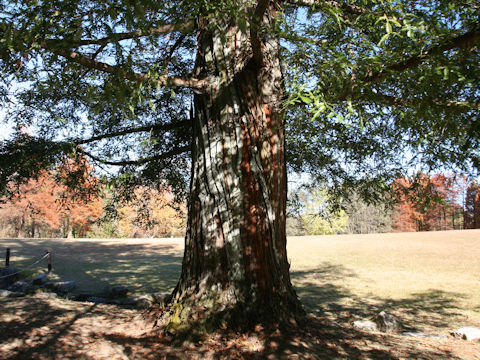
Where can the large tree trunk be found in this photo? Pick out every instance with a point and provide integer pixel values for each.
(235, 267)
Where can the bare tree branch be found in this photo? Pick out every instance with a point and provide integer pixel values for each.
(146, 128)
(141, 161)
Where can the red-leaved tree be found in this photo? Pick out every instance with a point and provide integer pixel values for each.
(426, 203)
(471, 215)
(45, 206)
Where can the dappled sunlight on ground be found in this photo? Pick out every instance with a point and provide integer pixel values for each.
(143, 265)
(34, 328)
(428, 281)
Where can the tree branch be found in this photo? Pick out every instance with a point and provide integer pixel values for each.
(146, 128)
(177, 43)
(450, 104)
(141, 161)
(388, 100)
(461, 41)
(348, 8)
(198, 85)
(293, 37)
(262, 6)
(164, 29)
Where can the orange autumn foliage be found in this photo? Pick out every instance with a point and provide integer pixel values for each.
(426, 203)
(472, 206)
(43, 207)
(404, 218)
(151, 213)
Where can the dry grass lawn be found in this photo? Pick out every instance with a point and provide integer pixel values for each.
(430, 281)
(144, 265)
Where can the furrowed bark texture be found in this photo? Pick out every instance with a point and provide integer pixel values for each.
(235, 266)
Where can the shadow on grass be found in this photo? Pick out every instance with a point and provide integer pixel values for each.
(322, 296)
(44, 329)
(142, 267)
(317, 290)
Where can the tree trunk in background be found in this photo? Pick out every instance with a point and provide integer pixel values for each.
(235, 267)
(68, 229)
(32, 229)
(471, 213)
(20, 227)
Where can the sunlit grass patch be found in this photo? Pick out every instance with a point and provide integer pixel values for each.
(428, 279)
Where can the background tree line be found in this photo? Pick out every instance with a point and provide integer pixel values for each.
(417, 203)
(43, 207)
(46, 207)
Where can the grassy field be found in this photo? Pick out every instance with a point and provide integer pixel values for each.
(144, 265)
(429, 280)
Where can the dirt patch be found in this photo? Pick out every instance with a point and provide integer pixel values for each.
(35, 328)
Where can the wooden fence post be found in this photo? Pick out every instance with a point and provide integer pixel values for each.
(49, 261)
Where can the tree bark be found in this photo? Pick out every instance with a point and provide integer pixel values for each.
(32, 229)
(235, 267)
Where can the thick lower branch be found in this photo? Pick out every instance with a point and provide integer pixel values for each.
(197, 85)
(138, 162)
(147, 128)
(171, 81)
(159, 30)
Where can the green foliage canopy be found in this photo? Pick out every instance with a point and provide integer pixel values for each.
(374, 87)
(381, 88)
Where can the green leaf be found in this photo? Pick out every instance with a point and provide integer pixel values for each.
(395, 21)
(388, 27)
(446, 72)
(383, 39)
(152, 105)
(305, 99)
